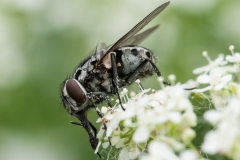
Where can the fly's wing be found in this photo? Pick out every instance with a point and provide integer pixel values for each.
(133, 31)
(138, 38)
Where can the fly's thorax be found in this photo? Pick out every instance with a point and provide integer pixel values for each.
(86, 67)
(131, 57)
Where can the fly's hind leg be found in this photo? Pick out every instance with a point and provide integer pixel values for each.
(132, 76)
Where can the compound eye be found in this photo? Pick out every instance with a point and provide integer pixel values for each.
(75, 91)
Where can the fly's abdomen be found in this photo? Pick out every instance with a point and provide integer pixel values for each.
(131, 58)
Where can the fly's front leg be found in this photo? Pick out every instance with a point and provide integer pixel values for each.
(82, 116)
(116, 78)
(132, 76)
(100, 115)
(91, 125)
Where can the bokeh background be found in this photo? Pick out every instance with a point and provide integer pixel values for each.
(42, 41)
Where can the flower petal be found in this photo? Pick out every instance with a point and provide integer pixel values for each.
(226, 78)
(141, 134)
(200, 70)
(204, 78)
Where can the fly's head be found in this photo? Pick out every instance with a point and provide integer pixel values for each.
(73, 95)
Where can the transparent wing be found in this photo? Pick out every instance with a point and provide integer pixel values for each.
(138, 38)
(136, 29)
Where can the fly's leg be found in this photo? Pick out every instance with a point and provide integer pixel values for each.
(82, 116)
(76, 123)
(94, 129)
(100, 115)
(109, 103)
(99, 97)
(91, 125)
(116, 78)
(132, 76)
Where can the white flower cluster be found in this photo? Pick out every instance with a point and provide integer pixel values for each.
(158, 123)
(223, 79)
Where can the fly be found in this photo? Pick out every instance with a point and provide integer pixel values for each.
(106, 71)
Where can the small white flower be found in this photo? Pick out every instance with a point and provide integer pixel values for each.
(216, 78)
(159, 151)
(175, 117)
(104, 110)
(120, 143)
(188, 155)
(134, 152)
(105, 144)
(226, 136)
(220, 98)
(172, 78)
(141, 134)
(137, 81)
(190, 118)
(190, 84)
(132, 94)
(235, 57)
(187, 135)
(115, 139)
(212, 116)
(231, 48)
(160, 79)
(203, 78)
(212, 143)
(124, 154)
(212, 64)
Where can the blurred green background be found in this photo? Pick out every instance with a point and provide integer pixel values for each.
(42, 41)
